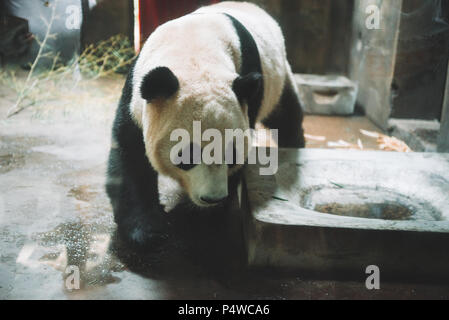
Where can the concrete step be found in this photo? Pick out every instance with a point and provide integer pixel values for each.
(419, 135)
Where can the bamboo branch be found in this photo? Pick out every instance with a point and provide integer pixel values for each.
(16, 108)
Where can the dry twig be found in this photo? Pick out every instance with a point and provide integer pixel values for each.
(103, 59)
(17, 107)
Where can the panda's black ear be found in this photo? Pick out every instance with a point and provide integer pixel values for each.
(159, 83)
(246, 87)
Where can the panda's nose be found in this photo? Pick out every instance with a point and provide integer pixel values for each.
(211, 200)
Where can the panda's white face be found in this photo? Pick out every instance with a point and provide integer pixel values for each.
(206, 184)
(215, 107)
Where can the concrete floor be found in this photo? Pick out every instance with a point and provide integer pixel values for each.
(337, 128)
(54, 213)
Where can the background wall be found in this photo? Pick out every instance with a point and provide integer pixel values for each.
(65, 27)
(317, 33)
(373, 58)
(106, 18)
(401, 67)
(421, 60)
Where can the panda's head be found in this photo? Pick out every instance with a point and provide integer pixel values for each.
(174, 103)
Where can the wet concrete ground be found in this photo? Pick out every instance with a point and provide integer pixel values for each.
(55, 217)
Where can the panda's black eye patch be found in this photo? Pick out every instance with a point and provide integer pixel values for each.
(159, 83)
(186, 167)
(194, 152)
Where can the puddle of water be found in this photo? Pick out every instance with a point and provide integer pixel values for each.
(369, 203)
(82, 193)
(10, 161)
(15, 151)
(385, 211)
(81, 246)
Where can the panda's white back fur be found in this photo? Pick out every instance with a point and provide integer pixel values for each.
(203, 48)
(270, 43)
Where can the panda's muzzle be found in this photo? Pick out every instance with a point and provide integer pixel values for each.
(213, 201)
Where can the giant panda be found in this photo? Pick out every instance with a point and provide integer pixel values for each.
(224, 65)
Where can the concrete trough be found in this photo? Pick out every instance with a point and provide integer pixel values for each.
(337, 212)
(326, 95)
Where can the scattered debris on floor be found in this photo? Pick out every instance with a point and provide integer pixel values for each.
(344, 144)
(314, 138)
(348, 133)
(387, 143)
(331, 132)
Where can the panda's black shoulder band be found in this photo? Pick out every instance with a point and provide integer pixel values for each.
(248, 47)
(250, 68)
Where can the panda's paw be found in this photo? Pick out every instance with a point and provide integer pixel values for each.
(149, 232)
(147, 237)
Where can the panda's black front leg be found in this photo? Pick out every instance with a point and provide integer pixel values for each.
(132, 184)
(132, 188)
